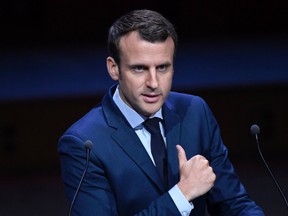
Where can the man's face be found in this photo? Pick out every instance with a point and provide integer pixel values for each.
(145, 72)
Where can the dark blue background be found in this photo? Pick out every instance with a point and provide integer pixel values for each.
(52, 71)
(32, 74)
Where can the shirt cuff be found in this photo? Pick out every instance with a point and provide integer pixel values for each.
(180, 201)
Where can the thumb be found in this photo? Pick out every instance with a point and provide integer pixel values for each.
(181, 155)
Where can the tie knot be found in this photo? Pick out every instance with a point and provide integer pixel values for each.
(152, 125)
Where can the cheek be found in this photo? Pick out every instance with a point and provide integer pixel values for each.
(134, 83)
(167, 82)
(130, 86)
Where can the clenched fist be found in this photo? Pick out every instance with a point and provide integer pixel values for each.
(196, 176)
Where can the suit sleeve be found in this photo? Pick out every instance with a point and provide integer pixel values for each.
(92, 199)
(96, 196)
(228, 196)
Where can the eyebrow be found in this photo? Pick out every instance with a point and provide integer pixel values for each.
(137, 65)
(167, 64)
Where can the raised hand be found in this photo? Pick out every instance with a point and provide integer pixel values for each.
(196, 176)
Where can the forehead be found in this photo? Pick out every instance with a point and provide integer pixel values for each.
(132, 46)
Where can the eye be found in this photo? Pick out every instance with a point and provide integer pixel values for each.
(162, 68)
(138, 68)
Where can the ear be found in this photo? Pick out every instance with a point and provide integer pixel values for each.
(112, 68)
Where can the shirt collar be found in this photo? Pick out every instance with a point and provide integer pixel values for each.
(135, 119)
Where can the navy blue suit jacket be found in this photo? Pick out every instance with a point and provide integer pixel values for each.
(121, 178)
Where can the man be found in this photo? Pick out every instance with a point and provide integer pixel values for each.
(125, 176)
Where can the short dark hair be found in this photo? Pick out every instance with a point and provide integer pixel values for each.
(150, 25)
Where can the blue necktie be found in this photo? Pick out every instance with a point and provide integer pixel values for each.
(158, 148)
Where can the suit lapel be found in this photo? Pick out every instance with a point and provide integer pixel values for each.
(131, 144)
(128, 140)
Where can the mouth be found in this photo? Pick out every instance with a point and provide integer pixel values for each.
(151, 98)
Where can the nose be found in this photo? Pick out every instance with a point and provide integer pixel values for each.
(152, 80)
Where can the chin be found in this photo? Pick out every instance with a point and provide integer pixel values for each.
(147, 113)
(150, 109)
(151, 112)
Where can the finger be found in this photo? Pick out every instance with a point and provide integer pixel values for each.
(181, 155)
(201, 159)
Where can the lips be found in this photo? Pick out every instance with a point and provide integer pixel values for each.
(151, 98)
